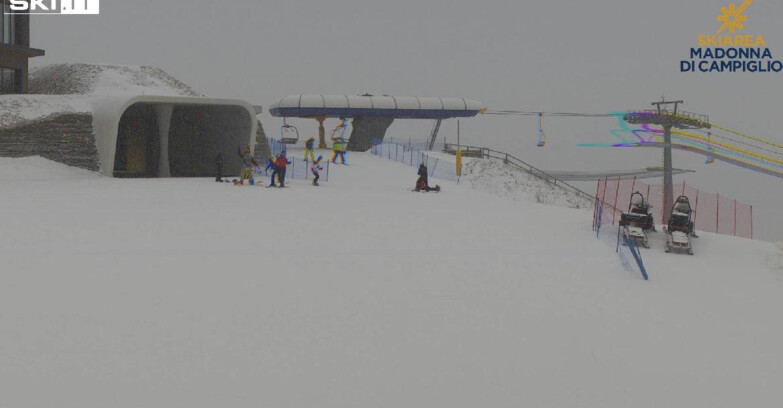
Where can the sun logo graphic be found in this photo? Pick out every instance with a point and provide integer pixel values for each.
(732, 17)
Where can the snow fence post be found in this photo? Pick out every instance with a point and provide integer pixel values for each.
(616, 194)
(735, 218)
(717, 213)
(696, 209)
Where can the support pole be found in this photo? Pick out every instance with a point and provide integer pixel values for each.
(163, 113)
(321, 133)
(668, 187)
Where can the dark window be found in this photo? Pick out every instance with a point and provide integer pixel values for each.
(7, 81)
(7, 24)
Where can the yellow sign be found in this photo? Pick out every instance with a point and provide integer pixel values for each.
(459, 163)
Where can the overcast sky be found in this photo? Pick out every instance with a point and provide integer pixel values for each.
(583, 56)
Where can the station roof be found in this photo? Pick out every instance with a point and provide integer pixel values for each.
(348, 106)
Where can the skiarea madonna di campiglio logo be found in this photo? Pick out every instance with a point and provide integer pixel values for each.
(730, 49)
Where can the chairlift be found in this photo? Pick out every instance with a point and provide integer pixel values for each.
(288, 133)
(339, 131)
(710, 159)
(541, 134)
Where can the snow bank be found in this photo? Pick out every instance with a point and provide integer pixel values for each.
(504, 180)
(780, 245)
(39, 168)
(101, 79)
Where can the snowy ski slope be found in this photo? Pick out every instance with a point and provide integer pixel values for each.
(361, 293)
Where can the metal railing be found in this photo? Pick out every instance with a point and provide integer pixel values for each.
(487, 153)
(683, 115)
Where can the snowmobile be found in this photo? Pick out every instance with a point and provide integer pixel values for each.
(680, 228)
(638, 220)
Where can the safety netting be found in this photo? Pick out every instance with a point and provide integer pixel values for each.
(712, 212)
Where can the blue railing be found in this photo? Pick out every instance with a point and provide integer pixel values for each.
(412, 155)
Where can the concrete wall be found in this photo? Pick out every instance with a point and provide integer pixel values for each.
(367, 129)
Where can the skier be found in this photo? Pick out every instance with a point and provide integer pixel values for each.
(219, 167)
(314, 169)
(338, 148)
(248, 162)
(280, 169)
(423, 175)
(422, 183)
(309, 149)
(271, 166)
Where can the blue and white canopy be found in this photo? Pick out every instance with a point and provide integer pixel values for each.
(401, 107)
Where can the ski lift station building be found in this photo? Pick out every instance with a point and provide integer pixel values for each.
(372, 115)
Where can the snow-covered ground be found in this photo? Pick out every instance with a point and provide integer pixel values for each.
(190, 293)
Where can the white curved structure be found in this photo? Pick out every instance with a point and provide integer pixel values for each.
(398, 107)
(170, 136)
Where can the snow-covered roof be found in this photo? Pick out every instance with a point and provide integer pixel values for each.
(368, 105)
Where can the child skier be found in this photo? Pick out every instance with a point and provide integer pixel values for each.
(314, 169)
(309, 149)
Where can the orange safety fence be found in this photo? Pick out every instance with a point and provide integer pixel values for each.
(712, 212)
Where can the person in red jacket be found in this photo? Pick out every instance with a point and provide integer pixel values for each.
(281, 164)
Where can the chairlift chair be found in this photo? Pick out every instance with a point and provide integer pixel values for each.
(288, 133)
(339, 131)
(541, 134)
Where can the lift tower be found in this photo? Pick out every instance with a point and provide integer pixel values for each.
(667, 119)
